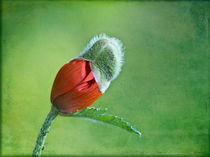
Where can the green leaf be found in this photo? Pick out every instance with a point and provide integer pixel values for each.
(100, 115)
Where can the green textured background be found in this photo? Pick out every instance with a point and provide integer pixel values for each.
(163, 88)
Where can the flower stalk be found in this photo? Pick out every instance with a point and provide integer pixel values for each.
(43, 132)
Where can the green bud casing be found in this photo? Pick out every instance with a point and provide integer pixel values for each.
(106, 58)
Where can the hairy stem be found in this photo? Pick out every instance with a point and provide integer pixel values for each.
(43, 132)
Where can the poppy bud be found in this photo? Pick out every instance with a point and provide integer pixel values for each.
(81, 81)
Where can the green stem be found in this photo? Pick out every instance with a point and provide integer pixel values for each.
(43, 132)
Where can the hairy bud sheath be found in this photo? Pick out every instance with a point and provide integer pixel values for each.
(81, 81)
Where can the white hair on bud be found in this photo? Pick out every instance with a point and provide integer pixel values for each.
(116, 43)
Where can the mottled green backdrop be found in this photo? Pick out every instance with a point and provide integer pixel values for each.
(163, 88)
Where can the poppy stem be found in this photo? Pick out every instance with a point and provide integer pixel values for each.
(43, 132)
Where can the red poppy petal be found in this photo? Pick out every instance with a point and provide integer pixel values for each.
(69, 76)
(83, 95)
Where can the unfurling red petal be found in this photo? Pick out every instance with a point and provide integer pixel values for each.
(83, 95)
(70, 75)
(75, 87)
